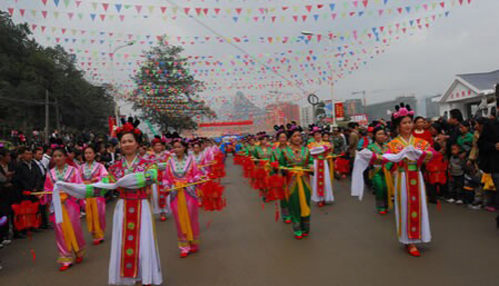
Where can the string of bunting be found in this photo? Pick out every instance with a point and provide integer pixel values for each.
(236, 14)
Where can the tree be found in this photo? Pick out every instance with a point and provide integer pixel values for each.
(167, 93)
(29, 70)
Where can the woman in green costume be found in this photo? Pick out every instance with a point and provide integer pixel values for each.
(378, 171)
(263, 157)
(278, 156)
(298, 165)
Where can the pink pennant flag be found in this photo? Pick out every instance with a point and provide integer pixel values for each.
(295, 18)
(138, 8)
(319, 6)
(255, 19)
(380, 11)
(217, 10)
(122, 17)
(238, 10)
(442, 4)
(57, 40)
(78, 3)
(285, 8)
(43, 29)
(198, 10)
(186, 10)
(11, 11)
(105, 6)
(205, 11)
(44, 14)
(333, 16)
(308, 7)
(273, 18)
(304, 18)
(102, 17)
(163, 9)
(70, 15)
(382, 29)
(355, 3)
(425, 6)
(269, 39)
(33, 27)
(365, 2)
(319, 37)
(63, 30)
(44, 2)
(22, 12)
(400, 10)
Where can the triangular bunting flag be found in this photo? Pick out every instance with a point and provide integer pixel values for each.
(56, 2)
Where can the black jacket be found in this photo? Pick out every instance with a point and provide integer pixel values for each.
(7, 191)
(28, 179)
(488, 156)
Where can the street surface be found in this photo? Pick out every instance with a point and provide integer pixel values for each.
(350, 245)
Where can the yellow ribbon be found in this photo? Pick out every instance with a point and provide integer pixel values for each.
(68, 231)
(305, 209)
(183, 212)
(389, 186)
(93, 223)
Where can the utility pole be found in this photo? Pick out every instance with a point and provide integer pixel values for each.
(58, 118)
(46, 115)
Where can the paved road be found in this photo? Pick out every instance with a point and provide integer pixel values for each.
(243, 246)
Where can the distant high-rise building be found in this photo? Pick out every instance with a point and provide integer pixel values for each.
(353, 107)
(281, 113)
(306, 115)
(431, 104)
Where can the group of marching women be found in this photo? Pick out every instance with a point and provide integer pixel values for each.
(158, 183)
(306, 170)
(290, 172)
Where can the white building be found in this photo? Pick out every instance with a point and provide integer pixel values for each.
(467, 92)
(306, 115)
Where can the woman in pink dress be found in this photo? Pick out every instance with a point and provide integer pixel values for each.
(92, 172)
(160, 156)
(181, 169)
(68, 234)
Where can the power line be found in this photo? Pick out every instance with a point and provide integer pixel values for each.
(239, 48)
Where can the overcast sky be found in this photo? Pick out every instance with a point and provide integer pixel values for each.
(422, 62)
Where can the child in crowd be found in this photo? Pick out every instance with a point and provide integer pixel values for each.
(437, 175)
(465, 141)
(456, 174)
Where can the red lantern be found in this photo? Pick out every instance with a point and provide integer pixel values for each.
(26, 215)
(276, 188)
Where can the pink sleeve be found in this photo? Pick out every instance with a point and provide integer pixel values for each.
(167, 176)
(195, 172)
(76, 178)
(49, 185)
(102, 172)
